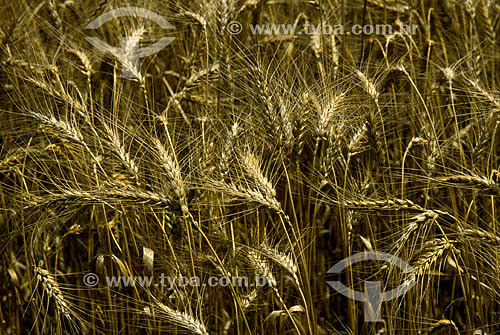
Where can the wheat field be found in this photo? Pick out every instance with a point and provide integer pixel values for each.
(270, 156)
